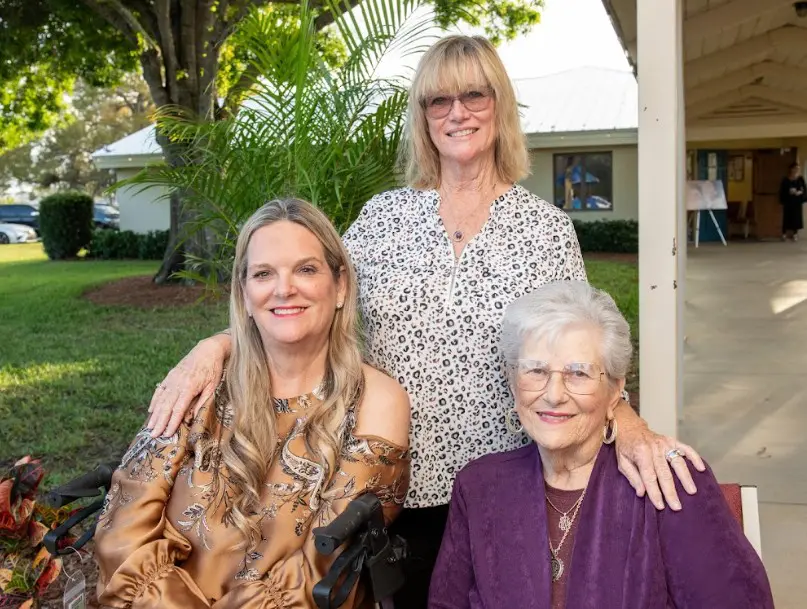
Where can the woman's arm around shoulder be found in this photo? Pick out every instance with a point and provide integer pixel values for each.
(708, 559)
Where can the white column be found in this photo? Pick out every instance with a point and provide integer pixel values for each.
(659, 33)
(682, 214)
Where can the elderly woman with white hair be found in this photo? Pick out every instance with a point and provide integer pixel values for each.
(554, 524)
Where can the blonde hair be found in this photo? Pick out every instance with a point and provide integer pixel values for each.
(251, 451)
(444, 68)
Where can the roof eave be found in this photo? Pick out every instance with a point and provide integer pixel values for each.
(569, 139)
(126, 161)
(620, 33)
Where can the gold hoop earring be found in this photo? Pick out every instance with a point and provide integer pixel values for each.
(609, 432)
(512, 422)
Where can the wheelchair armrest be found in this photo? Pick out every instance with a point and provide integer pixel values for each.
(370, 551)
(91, 484)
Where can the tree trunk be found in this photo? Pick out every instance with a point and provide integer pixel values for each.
(189, 246)
(180, 64)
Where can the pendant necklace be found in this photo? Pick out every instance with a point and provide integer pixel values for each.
(565, 522)
(554, 553)
(458, 235)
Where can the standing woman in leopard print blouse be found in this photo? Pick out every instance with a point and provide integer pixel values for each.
(437, 263)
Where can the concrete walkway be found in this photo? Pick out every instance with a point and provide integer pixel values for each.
(746, 389)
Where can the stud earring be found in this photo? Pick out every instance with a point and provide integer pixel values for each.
(339, 305)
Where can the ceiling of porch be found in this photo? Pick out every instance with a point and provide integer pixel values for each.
(744, 59)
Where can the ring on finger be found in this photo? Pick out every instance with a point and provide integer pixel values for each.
(675, 453)
(160, 386)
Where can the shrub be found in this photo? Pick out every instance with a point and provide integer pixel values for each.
(118, 245)
(152, 245)
(611, 236)
(65, 221)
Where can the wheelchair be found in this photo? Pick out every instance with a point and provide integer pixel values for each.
(369, 554)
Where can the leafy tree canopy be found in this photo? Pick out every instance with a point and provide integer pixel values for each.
(61, 158)
(45, 45)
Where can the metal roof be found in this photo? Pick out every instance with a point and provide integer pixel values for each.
(134, 150)
(577, 100)
(574, 101)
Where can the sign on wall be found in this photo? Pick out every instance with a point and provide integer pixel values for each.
(583, 181)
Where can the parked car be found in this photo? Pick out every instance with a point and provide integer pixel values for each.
(106, 216)
(20, 213)
(16, 233)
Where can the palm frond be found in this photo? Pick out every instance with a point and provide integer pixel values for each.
(328, 135)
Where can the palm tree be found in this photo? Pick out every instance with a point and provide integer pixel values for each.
(328, 135)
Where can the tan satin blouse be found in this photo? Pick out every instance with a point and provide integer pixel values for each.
(164, 540)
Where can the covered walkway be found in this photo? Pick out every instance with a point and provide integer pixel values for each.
(745, 389)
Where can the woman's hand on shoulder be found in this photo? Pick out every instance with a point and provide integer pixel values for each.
(189, 385)
(384, 410)
(642, 458)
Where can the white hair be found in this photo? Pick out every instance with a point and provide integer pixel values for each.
(550, 310)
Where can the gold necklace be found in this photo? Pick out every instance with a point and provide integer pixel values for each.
(458, 235)
(554, 557)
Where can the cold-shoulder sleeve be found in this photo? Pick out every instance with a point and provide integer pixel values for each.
(708, 559)
(367, 465)
(136, 547)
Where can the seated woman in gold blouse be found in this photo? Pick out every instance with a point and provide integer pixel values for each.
(221, 513)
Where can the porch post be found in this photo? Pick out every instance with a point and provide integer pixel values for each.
(682, 214)
(659, 57)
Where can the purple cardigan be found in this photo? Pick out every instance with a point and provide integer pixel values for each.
(627, 555)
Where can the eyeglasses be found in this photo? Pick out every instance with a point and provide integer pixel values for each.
(579, 378)
(438, 106)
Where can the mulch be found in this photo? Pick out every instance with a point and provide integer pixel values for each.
(52, 599)
(141, 292)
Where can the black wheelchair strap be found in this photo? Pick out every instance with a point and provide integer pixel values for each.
(341, 578)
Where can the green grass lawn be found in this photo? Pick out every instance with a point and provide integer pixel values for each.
(621, 281)
(76, 378)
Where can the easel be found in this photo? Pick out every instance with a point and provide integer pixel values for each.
(706, 195)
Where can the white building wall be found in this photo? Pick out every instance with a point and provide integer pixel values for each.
(141, 210)
(625, 180)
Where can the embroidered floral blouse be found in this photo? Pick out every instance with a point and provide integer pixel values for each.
(164, 538)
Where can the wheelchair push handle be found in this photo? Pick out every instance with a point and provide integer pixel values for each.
(91, 484)
(87, 485)
(358, 514)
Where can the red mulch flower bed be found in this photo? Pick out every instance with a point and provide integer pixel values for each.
(143, 293)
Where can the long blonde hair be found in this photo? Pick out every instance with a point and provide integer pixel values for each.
(251, 451)
(444, 69)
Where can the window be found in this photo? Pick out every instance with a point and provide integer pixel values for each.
(584, 181)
